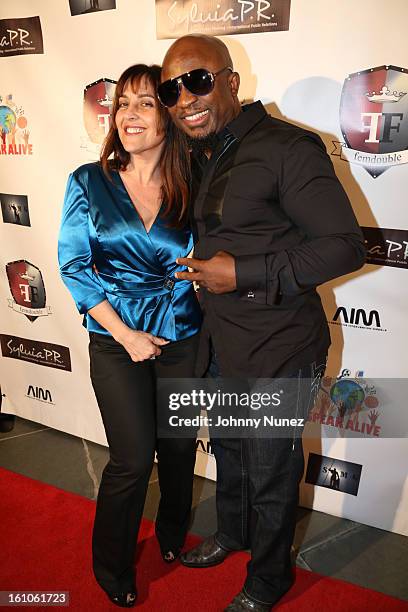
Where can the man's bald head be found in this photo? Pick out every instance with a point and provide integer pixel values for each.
(202, 116)
(198, 44)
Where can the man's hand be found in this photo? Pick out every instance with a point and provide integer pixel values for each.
(216, 274)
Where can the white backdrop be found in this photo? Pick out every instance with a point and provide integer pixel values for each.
(299, 75)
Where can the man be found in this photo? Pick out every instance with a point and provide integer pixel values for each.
(272, 223)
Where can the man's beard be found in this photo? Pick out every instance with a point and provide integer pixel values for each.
(204, 144)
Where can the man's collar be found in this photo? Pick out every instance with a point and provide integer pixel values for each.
(251, 115)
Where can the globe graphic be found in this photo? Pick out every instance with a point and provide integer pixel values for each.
(7, 118)
(346, 394)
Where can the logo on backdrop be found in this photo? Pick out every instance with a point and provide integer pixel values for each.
(34, 351)
(204, 446)
(81, 7)
(98, 100)
(40, 394)
(374, 119)
(386, 247)
(335, 474)
(13, 128)
(28, 289)
(348, 404)
(176, 18)
(357, 317)
(20, 36)
(14, 209)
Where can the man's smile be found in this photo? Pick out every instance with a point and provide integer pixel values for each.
(196, 118)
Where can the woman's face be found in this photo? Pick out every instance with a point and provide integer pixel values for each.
(137, 119)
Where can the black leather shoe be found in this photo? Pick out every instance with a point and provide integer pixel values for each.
(243, 603)
(206, 554)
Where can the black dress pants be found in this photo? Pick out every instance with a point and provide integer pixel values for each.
(126, 396)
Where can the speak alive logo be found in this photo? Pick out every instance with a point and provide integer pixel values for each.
(98, 100)
(28, 289)
(335, 474)
(374, 119)
(348, 404)
(14, 133)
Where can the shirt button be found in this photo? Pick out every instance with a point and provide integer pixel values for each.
(251, 294)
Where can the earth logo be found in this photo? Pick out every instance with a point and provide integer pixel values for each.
(7, 119)
(349, 397)
(348, 404)
(346, 395)
(13, 133)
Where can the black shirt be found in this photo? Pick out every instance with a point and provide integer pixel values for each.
(269, 197)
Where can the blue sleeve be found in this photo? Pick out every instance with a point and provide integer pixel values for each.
(74, 250)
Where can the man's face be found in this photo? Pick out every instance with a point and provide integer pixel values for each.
(199, 116)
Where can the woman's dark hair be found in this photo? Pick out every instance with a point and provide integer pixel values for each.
(175, 158)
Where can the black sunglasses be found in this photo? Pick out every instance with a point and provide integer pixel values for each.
(199, 82)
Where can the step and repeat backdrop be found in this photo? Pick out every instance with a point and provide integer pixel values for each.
(339, 68)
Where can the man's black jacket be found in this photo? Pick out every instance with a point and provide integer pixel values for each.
(270, 197)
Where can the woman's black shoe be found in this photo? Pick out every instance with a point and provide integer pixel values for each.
(124, 600)
(169, 556)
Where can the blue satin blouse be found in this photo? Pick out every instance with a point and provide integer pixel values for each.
(135, 269)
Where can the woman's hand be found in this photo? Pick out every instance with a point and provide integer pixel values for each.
(141, 345)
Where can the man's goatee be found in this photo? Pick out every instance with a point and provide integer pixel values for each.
(203, 144)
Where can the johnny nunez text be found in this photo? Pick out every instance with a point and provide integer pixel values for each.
(205, 421)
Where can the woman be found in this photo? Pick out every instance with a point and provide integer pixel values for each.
(123, 226)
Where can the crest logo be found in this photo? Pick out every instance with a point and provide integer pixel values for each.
(27, 288)
(374, 119)
(98, 100)
(13, 129)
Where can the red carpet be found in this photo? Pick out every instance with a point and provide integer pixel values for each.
(46, 542)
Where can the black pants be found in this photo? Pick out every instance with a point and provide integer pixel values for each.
(258, 490)
(126, 395)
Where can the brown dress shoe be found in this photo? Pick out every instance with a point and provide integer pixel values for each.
(206, 554)
(243, 603)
